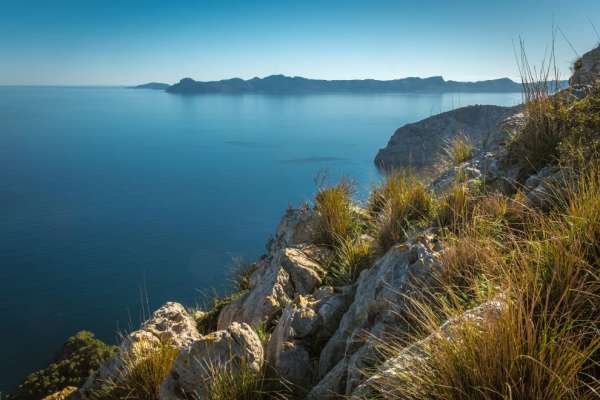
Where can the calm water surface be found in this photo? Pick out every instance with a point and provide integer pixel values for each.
(106, 192)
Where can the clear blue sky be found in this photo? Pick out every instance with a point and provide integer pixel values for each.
(127, 42)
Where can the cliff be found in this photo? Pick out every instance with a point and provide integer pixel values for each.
(481, 284)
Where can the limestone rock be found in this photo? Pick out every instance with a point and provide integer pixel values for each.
(304, 325)
(379, 296)
(225, 348)
(296, 227)
(587, 69)
(418, 145)
(290, 267)
(169, 324)
(270, 291)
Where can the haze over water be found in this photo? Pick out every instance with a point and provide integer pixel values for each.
(106, 191)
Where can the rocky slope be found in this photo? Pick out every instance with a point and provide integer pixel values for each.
(322, 340)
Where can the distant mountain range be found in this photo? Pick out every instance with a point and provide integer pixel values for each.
(152, 85)
(281, 84)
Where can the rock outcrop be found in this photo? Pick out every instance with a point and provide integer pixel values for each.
(170, 324)
(291, 267)
(304, 326)
(380, 293)
(230, 348)
(420, 144)
(587, 69)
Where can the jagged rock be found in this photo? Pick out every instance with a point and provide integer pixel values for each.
(291, 267)
(379, 296)
(64, 394)
(586, 69)
(296, 227)
(418, 145)
(302, 327)
(270, 291)
(189, 374)
(304, 272)
(417, 353)
(169, 324)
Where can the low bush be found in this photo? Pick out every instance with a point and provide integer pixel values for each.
(81, 354)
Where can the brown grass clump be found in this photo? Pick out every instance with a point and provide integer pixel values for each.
(145, 367)
(351, 257)
(459, 149)
(397, 205)
(335, 219)
(236, 380)
(456, 207)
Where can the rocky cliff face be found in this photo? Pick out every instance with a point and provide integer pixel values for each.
(419, 144)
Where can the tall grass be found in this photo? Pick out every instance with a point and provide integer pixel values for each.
(537, 143)
(399, 204)
(335, 219)
(145, 367)
(544, 343)
(237, 380)
(352, 256)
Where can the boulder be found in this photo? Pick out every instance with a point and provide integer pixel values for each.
(380, 296)
(222, 349)
(169, 324)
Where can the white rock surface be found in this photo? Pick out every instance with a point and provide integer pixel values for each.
(169, 324)
(189, 374)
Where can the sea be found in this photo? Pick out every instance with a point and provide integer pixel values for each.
(115, 200)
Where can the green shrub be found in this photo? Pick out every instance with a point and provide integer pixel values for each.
(80, 356)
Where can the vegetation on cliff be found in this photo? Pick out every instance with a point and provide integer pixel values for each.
(81, 354)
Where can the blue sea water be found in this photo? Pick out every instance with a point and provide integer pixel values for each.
(109, 194)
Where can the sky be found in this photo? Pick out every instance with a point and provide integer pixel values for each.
(126, 42)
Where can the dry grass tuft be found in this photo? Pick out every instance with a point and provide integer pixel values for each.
(459, 149)
(335, 218)
(145, 367)
(397, 205)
